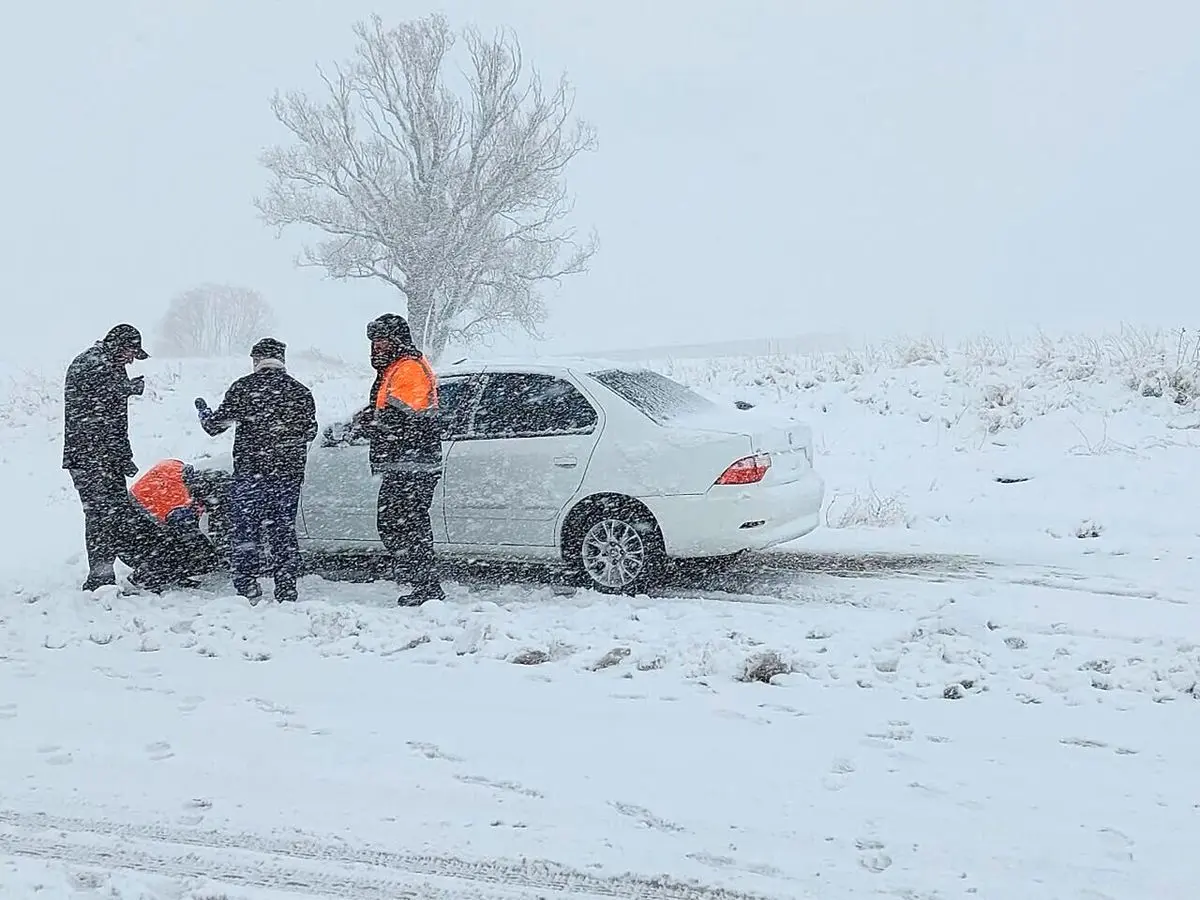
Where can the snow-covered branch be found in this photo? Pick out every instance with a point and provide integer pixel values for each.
(454, 197)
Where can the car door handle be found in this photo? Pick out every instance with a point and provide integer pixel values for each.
(566, 462)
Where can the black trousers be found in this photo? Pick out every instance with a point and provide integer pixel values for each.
(179, 551)
(402, 517)
(108, 517)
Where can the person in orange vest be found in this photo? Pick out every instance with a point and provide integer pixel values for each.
(163, 492)
(170, 492)
(401, 421)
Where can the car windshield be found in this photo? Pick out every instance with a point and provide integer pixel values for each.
(657, 396)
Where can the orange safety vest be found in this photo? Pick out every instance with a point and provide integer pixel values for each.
(408, 381)
(161, 489)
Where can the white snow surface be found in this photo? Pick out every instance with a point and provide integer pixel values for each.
(984, 689)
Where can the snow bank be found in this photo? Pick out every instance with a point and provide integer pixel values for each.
(1069, 439)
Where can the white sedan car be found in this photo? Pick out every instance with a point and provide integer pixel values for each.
(612, 470)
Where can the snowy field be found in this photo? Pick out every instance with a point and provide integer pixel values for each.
(980, 678)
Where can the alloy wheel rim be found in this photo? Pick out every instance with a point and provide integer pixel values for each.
(614, 553)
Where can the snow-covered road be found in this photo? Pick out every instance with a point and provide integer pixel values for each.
(941, 731)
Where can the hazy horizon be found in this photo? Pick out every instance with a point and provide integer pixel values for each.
(763, 170)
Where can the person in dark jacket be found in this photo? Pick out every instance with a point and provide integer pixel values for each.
(401, 421)
(276, 420)
(96, 448)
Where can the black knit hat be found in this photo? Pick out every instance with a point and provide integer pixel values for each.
(390, 327)
(269, 348)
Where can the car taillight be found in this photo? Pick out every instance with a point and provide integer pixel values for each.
(747, 470)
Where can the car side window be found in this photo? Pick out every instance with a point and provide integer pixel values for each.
(455, 398)
(526, 404)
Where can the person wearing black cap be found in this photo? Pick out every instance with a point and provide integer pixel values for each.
(401, 421)
(276, 419)
(96, 447)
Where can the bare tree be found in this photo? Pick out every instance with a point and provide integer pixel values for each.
(457, 201)
(214, 320)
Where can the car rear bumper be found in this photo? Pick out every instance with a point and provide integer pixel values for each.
(729, 519)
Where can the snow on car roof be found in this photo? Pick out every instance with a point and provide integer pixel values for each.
(538, 364)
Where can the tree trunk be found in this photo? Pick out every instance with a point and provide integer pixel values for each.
(421, 317)
(437, 345)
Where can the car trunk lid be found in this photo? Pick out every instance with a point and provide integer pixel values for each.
(787, 440)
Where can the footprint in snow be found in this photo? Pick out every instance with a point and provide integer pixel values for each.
(896, 731)
(645, 817)
(159, 751)
(1084, 742)
(728, 862)
(55, 755)
(190, 704)
(269, 706)
(838, 775)
(433, 751)
(511, 786)
(8, 710)
(1117, 844)
(871, 856)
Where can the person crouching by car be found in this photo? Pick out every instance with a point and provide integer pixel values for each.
(401, 422)
(276, 420)
(170, 491)
(96, 448)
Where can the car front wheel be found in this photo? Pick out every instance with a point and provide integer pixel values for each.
(616, 550)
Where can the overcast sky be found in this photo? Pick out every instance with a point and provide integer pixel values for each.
(765, 168)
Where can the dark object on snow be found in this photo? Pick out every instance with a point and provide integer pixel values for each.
(1019, 479)
(96, 449)
(763, 667)
(531, 658)
(743, 405)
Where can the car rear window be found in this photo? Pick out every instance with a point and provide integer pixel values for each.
(657, 396)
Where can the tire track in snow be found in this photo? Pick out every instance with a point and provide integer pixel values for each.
(318, 868)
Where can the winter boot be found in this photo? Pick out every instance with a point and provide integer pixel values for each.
(251, 590)
(101, 576)
(144, 578)
(421, 593)
(285, 591)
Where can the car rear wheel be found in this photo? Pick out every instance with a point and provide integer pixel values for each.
(615, 549)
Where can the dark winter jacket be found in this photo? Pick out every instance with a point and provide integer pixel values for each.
(404, 437)
(276, 419)
(96, 395)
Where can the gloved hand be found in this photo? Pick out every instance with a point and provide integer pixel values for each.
(131, 469)
(137, 386)
(202, 408)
